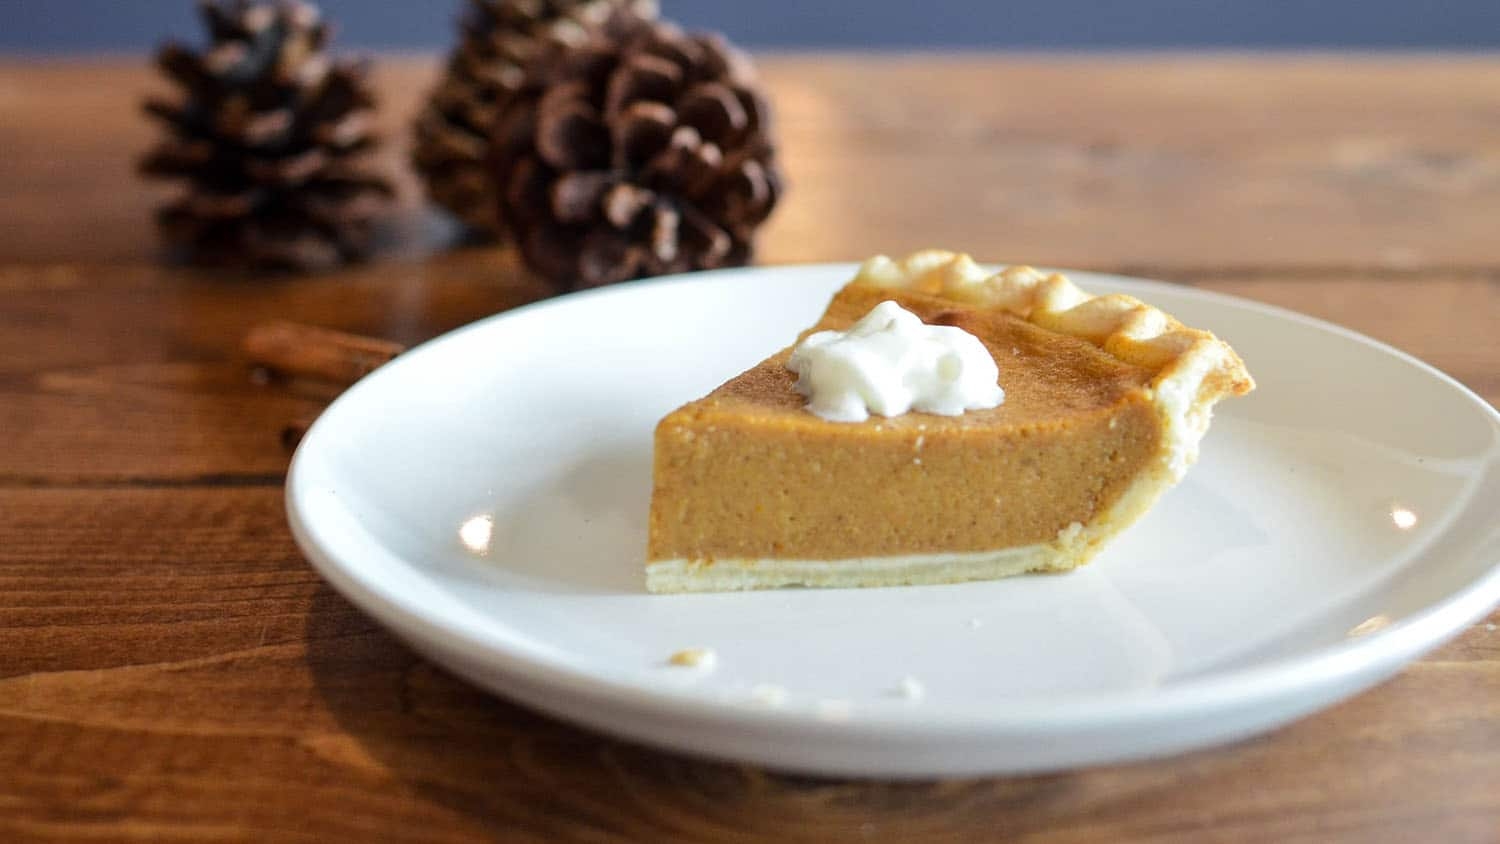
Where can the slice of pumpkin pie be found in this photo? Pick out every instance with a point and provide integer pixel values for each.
(940, 423)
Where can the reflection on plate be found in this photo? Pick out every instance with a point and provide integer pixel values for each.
(484, 496)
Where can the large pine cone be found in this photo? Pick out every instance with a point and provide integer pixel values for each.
(498, 38)
(638, 155)
(269, 136)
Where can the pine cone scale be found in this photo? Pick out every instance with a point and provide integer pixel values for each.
(186, 69)
(528, 184)
(646, 78)
(607, 257)
(715, 111)
(708, 240)
(643, 131)
(624, 204)
(219, 206)
(664, 240)
(575, 196)
(176, 158)
(570, 134)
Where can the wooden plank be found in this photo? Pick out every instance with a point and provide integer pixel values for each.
(1164, 159)
(1159, 159)
(103, 578)
(407, 754)
(171, 670)
(1443, 320)
(108, 578)
(134, 375)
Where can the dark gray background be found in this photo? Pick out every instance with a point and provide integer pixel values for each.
(64, 26)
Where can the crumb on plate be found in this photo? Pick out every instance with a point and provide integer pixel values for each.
(704, 658)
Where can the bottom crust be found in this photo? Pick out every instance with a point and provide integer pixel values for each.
(728, 575)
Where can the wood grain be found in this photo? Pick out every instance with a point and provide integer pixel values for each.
(172, 670)
(1187, 160)
(169, 400)
(223, 682)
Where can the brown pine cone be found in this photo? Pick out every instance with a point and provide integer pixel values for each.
(497, 38)
(639, 155)
(269, 137)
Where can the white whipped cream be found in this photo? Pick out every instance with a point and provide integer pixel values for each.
(890, 362)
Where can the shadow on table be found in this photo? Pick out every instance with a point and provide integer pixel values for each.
(512, 773)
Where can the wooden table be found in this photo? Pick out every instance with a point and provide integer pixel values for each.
(171, 668)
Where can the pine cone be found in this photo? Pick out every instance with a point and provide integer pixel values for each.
(644, 154)
(497, 38)
(268, 135)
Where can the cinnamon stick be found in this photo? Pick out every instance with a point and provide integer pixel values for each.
(294, 350)
(293, 431)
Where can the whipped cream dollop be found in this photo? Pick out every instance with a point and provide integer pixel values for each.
(889, 363)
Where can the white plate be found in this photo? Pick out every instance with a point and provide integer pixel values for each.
(1342, 521)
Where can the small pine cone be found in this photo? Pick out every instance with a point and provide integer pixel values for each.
(269, 137)
(636, 156)
(497, 38)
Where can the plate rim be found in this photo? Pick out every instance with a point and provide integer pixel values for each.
(1392, 646)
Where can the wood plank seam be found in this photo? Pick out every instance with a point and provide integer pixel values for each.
(217, 479)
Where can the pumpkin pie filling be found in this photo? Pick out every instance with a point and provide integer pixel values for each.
(752, 490)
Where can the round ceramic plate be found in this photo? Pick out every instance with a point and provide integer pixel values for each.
(485, 497)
